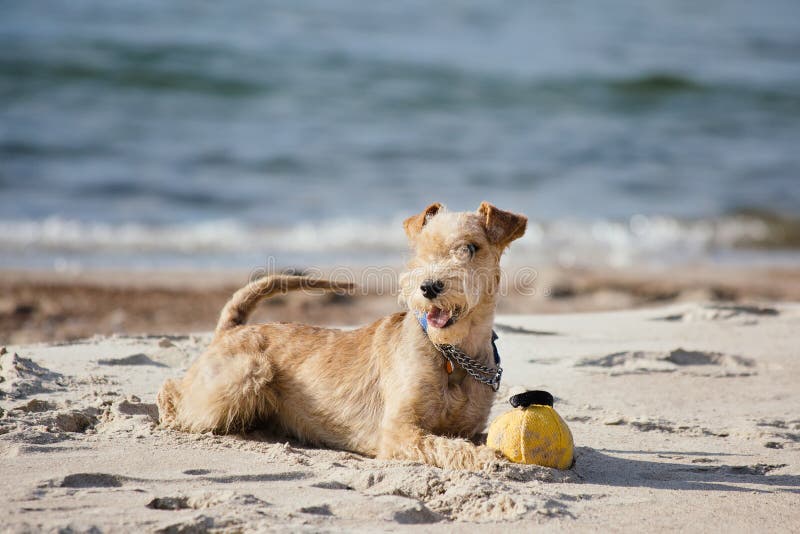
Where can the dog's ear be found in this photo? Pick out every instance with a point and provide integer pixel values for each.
(413, 225)
(502, 227)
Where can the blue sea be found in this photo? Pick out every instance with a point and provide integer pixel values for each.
(197, 134)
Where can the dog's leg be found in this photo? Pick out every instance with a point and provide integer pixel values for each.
(221, 393)
(408, 442)
(168, 398)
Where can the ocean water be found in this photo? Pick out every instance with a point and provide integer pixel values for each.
(217, 134)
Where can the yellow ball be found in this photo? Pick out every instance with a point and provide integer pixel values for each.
(535, 434)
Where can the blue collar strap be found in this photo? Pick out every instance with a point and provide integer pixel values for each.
(475, 369)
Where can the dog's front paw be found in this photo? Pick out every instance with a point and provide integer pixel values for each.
(491, 460)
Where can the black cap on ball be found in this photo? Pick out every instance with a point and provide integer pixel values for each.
(541, 398)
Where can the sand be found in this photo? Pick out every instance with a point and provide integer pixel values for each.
(685, 418)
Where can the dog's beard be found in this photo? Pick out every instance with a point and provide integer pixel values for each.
(446, 308)
(446, 313)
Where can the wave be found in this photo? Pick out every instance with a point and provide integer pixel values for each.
(128, 76)
(229, 72)
(653, 240)
(226, 235)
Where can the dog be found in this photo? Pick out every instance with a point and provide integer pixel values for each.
(416, 385)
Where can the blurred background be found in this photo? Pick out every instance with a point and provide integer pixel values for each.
(210, 136)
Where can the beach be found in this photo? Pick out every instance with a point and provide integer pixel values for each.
(156, 158)
(684, 418)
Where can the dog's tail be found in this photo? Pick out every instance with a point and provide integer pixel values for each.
(242, 303)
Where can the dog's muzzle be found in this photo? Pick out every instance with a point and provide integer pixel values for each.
(439, 318)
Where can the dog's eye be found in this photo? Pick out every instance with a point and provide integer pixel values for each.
(466, 251)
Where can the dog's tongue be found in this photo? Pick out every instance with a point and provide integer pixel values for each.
(438, 317)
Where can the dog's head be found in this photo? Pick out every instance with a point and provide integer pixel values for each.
(456, 265)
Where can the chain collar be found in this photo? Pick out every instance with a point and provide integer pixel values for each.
(483, 374)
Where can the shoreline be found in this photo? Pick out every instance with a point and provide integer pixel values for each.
(41, 306)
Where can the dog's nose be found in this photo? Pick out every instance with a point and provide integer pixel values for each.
(431, 288)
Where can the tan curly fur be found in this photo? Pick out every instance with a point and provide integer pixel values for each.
(380, 390)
